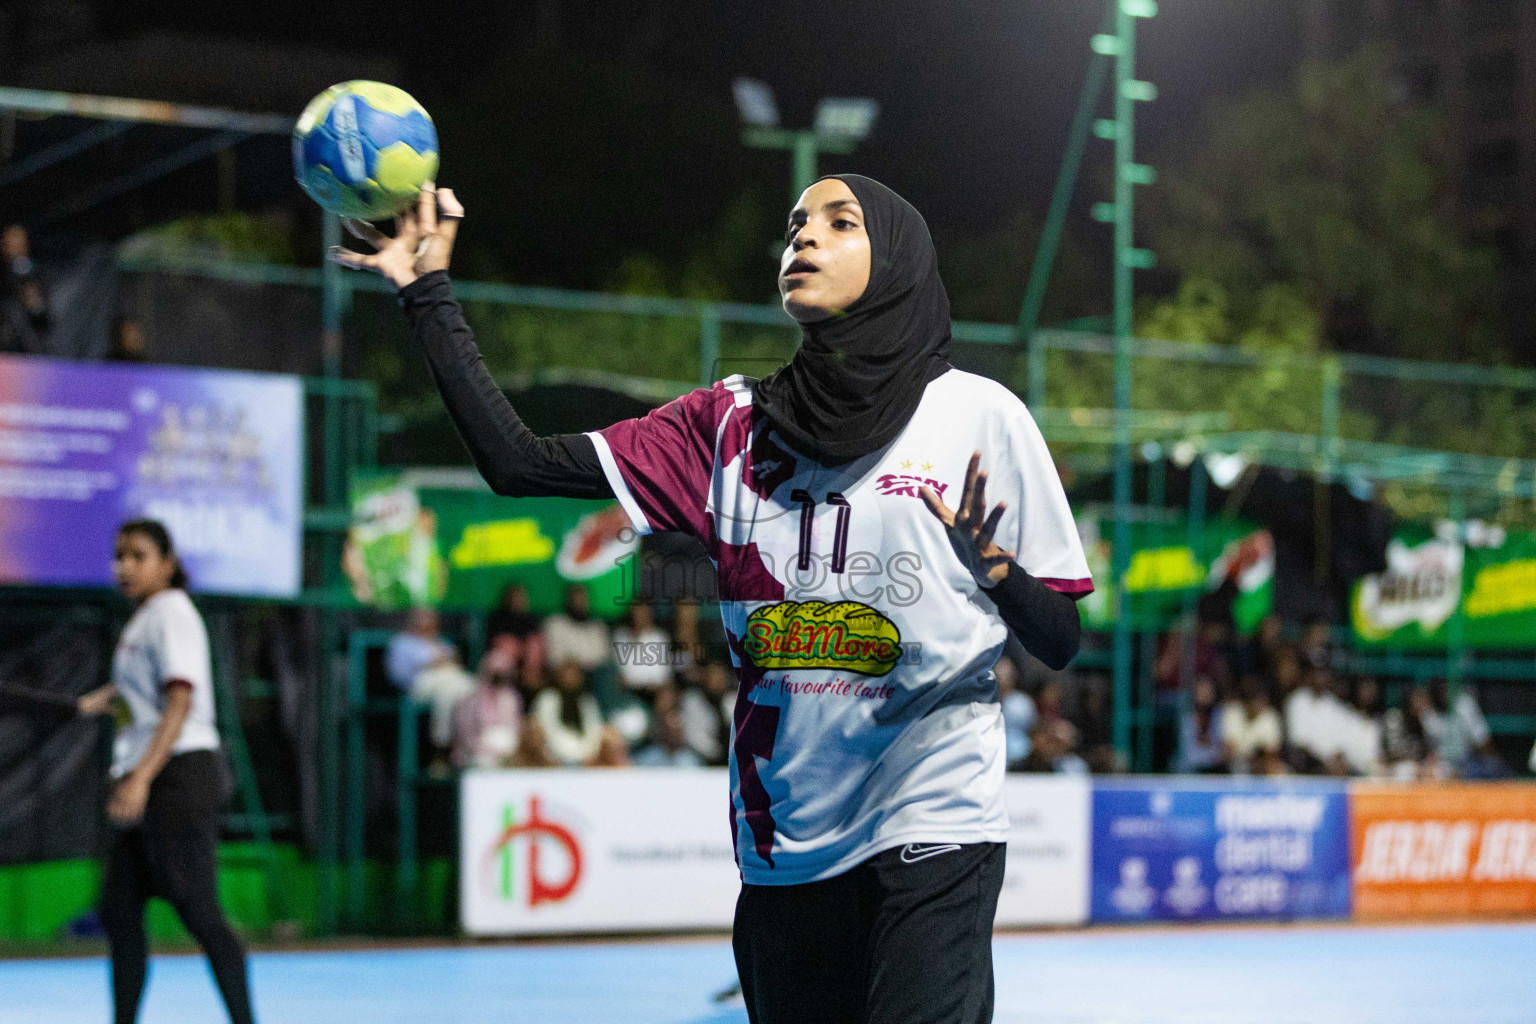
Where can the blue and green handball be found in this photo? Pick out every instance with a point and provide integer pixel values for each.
(364, 149)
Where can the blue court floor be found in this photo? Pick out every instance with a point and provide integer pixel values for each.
(1419, 975)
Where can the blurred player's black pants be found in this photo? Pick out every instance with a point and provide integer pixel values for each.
(173, 854)
(904, 938)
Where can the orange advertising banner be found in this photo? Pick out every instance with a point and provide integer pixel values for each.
(1451, 850)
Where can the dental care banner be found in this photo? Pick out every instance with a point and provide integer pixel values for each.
(216, 456)
(1181, 849)
(1490, 580)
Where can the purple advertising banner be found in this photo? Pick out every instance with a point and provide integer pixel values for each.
(216, 456)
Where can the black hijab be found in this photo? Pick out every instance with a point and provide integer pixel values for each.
(860, 374)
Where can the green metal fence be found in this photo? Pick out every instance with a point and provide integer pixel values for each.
(1432, 439)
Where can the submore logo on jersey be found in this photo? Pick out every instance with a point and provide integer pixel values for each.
(848, 636)
(534, 860)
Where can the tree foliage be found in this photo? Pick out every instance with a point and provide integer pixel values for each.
(1331, 189)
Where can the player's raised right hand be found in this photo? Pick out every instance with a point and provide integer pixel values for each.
(422, 243)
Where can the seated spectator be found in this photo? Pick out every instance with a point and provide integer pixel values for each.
(1362, 737)
(488, 721)
(643, 651)
(1466, 744)
(127, 341)
(706, 712)
(612, 751)
(1018, 710)
(1200, 740)
(569, 715)
(1409, 734)
(1053, 748)
(574, 635)
(1095, 725)
(670, 747)
(532, 746)
(1319, 727)
(1048, 706)
(425, 666)
(512, 626)
(1257, 654)
(23, 308)
(1250, 728)
(1317, 645)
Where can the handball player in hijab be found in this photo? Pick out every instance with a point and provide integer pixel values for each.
(867, 585)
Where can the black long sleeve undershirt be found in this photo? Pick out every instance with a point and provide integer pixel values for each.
(518, 464)
(509, 456)
(1045, 621)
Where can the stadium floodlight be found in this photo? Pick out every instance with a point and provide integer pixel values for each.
(845, 117)
(754, 101)
(841, 123)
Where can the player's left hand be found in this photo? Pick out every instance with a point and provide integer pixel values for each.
(971, 528)
(128, 800)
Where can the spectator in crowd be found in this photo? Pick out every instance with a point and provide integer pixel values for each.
(512, 626)
(127, 341)
(427, 667)
(612, 750)
(574, 635)
(1201, 747)
(532, 746)
(1250, 729)
(1409, 734)
(669, 747)
(1053, 748)
(488, 721)
(643, 651)
(706, 709)
(1465, 743)
(1257, 654)
(1018, 710)
(1362, 737)
(569, 715)
(1285, 675)
(1317, 645)
(23, 307)
(1095, 725)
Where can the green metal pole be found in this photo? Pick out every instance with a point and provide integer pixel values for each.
(1196, 526)
(327, 735)
(1455, 628)
(1333, 379)
(805, 163)
(1125, 74)
(1061, 199)
(709, 343)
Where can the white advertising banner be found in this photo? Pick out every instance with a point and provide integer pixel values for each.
(1047, 877)
(589, 850)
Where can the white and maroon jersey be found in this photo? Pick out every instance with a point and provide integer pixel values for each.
(164, 644)
(867, 714)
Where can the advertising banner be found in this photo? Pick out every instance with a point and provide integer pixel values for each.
(1187, 849)
(441, 538)
(1047, 877)
(595, 851)
(1163, 566)
(216, 456)
(1491, 582)
(1444, 850)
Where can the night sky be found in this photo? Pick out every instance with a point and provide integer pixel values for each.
(975, 94)
(976, 97)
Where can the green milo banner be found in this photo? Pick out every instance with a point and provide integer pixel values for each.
(442, 539)
(1431, 579)
(1164, 567)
